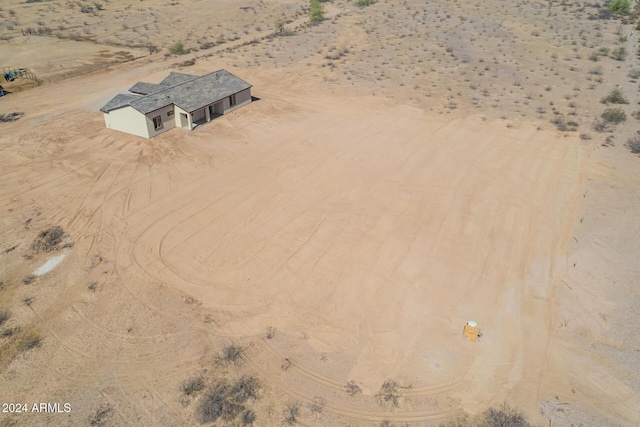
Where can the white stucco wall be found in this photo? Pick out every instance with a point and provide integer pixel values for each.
(242, 98)
(129, 120)
(168, 121)
(178, 123)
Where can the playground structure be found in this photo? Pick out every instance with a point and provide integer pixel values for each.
(10, 74)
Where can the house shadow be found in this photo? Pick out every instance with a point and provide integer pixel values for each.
(255, 98)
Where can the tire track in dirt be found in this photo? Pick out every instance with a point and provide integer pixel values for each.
(413, 416)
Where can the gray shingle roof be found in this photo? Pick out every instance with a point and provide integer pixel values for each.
(177, 78)
(186, 91)
(119, 101)
(146, 88)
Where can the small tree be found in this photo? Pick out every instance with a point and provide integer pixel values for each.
(178, 48)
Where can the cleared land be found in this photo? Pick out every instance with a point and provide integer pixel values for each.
(388, 185)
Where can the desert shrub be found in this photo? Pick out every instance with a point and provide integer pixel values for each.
(279, 26)
(48, 240)
(101, 415)
(290, 414)
(230, 354)
(177, 48)
(504, 416)
(564, 126)
(227, 402)
(620, 7)
(363, 3)
(98, 6)
(30, 340)
(634, 144)
(389, 393)
(86, 9)
(192, 385)
(29, 279)
(353, 388)
(246, 388)
(9, 332)
(316, 13)
(634, 74)
(247, 418)
(615, 97)
(619, 53)
(614, 115)
(10, 117)
(600, 125)
(34, 1)
(271, 332)
(4, 316)
(317, 406)
(281, 30)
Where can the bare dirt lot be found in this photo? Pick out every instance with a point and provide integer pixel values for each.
(405, 168)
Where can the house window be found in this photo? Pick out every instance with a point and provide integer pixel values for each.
(157, 122)
(232, 100)
(170, 113)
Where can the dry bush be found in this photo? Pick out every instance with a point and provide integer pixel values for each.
(48, 240)
(619, 53)
(101, 415)
(11, 117)
(600, 125)
(227, 402)
(614, 115)
(29, 340)
(389, 393)
(19, 341)
(247, 418)
(353, 388)
(317, 406)
(290, 414)
(4, 316)
(615, 97)
(192, 385)
(634, 144)
(246, 388)
(271, 332)
(504, 416)
(230, 354)
(9, 332)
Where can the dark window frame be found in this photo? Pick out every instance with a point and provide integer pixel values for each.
(157, 122)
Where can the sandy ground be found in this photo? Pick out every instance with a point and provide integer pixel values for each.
(336, 231)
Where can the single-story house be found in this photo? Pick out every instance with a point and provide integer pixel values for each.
(181, 100)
